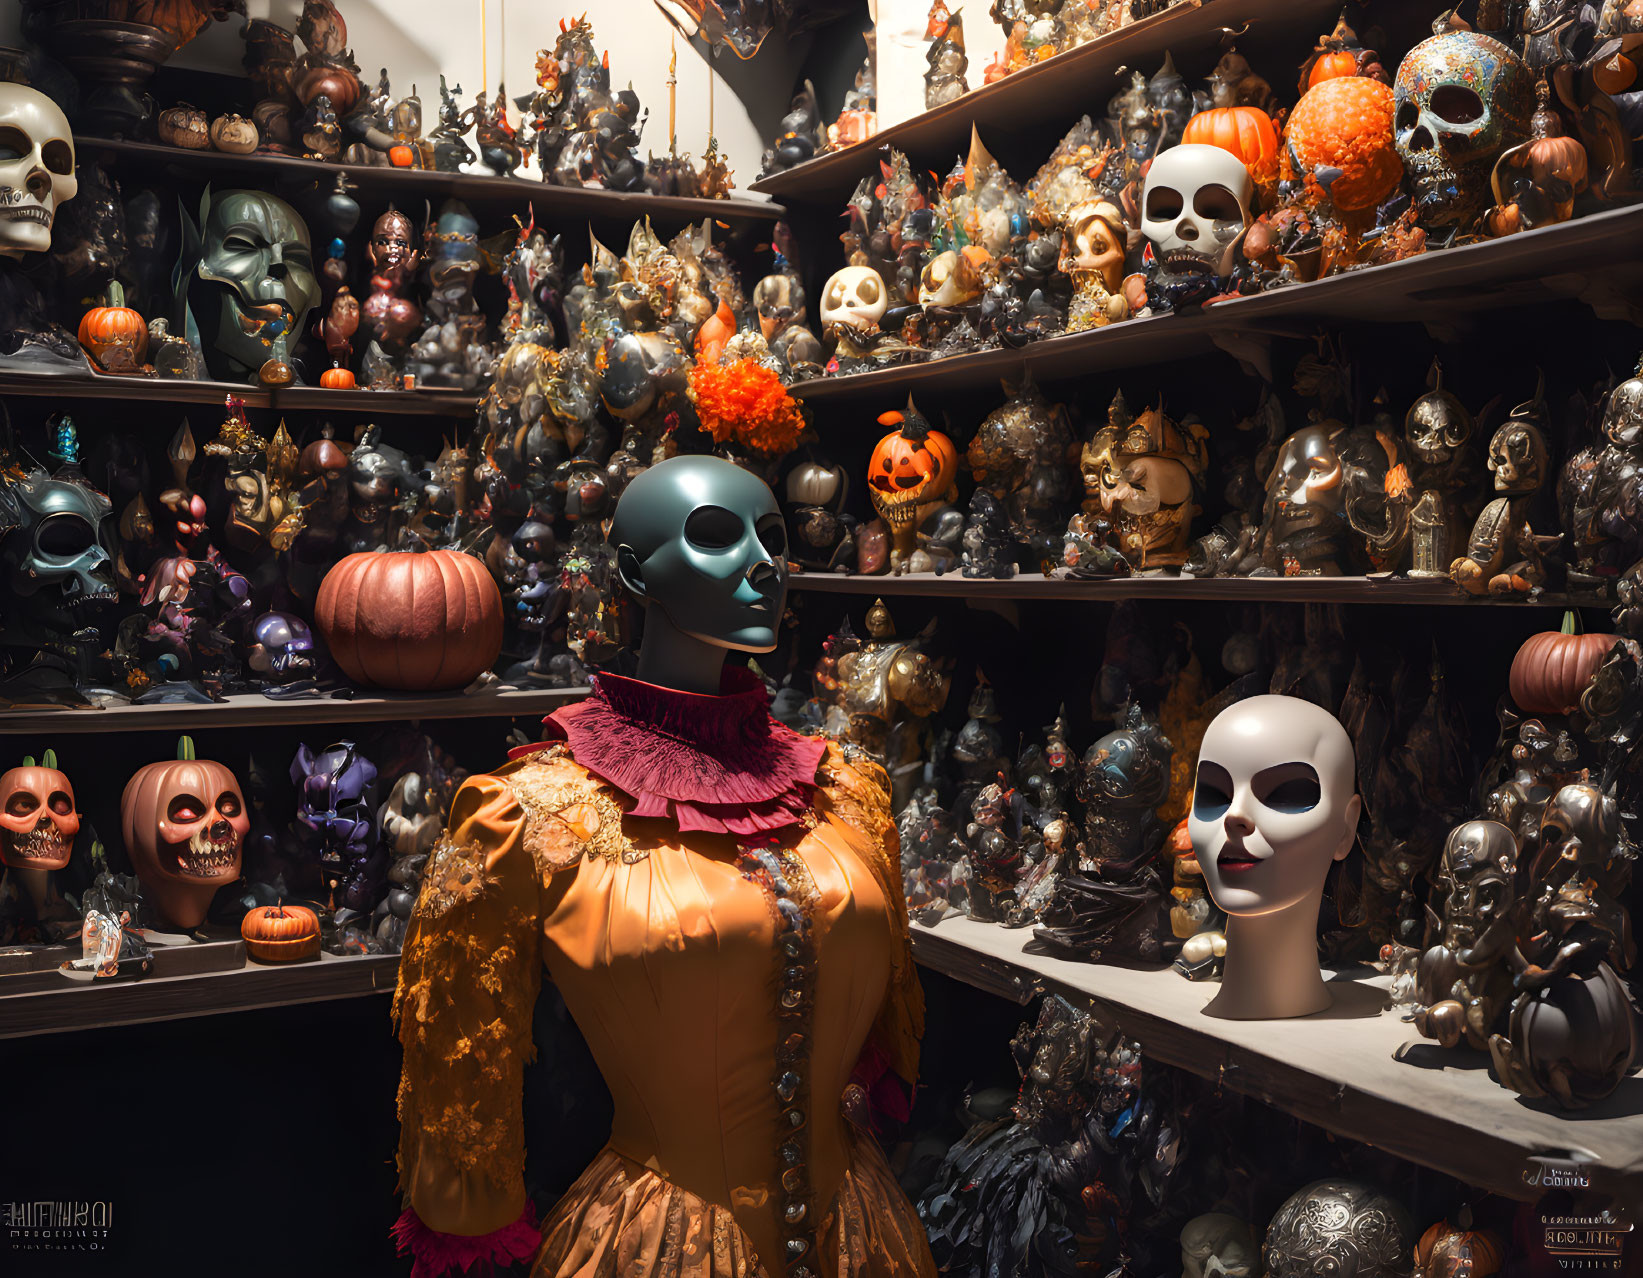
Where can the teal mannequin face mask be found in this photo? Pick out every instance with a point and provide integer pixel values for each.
(702, 541)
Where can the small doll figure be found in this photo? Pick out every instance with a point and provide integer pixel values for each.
(450, 152)
(391, 317)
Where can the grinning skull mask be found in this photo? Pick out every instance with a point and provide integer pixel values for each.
(56, 539)
(1437, 425)
(38, 818)
(184, 822)
(1517, 456)
(36, 168)
(854, 297)
(1459, 101)
(703, 541)
(1195, 209)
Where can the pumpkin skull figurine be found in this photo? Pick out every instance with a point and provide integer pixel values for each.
(184, 821)
(38, 817)
(248, 283)
(911, 480)
(1194, 213)
(1459, 101)
(1518, 461)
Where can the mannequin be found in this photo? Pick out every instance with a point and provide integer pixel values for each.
(1273, 806)
(718, 900)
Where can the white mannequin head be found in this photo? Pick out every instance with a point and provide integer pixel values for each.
(1274, 804)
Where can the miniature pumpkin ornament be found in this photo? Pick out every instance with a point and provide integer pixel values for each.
(911, 468)
(184, 822)
(38, 817)
(184, 126)
(1552, 668)
(281, 933)
(234, 135)
(418, 622)
(114, 335)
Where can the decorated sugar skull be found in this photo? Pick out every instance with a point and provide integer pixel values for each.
(1195, 209)
(701, 541)
(184, 821)
(1219, 1245)
(36, 168)
(855, 298)
(1460, 99)
(38, 817)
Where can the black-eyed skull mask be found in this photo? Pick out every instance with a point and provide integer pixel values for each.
(253, 282)
(1195, 209)
(1460, 100)
(36, 168)
(56, 539)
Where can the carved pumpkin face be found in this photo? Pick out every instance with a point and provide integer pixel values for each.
(38, 819)
(184, 821)
(910, 467)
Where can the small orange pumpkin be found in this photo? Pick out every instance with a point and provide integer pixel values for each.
(1447, 1251)
(1552, 668)
(401, 156)
(338, 378)
(1331, 65)
(281, 933)
(1245, 131)
(911, 465)
(113, 334)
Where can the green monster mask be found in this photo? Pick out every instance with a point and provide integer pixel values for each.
(245, 280)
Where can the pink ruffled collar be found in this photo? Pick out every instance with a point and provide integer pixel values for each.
(718, 764)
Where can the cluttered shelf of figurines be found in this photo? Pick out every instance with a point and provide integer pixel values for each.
(550, 202)
(53, 1003)
(90, 383)
(1359, 1070)
(251, 709)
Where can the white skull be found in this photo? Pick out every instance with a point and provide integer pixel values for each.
(36, 168)
(1218, 1245)
(1273, 804)
(855, 297)
(1195, 209)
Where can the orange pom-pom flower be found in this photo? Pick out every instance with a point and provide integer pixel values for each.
(1344, 126)
(742, 402)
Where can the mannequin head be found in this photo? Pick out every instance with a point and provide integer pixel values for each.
(1274, 804)
(701, 542)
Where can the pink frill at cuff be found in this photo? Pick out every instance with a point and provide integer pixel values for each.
(716, 764)
(437, 1255)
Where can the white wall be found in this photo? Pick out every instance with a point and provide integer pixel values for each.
(902, 49)
(417, 39)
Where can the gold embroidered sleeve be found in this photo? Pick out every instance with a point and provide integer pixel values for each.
(855, 796)
(468, 981)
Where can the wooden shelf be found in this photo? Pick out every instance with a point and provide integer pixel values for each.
(1056, 90)
(1592, 259)
(410, 186)
(97, 1005)
(1356, 1070)
(167, 390)
(255, 710)
(1067, 588)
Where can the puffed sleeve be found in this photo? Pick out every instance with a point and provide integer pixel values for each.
(855, 795)
(468, 981)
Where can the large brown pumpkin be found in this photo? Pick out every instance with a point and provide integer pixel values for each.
(418, 622)
(281, 933)
(184, 822)
(1552, 668)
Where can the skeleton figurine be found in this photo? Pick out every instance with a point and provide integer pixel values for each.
(1518, 461)
(37, 174)
(1116, 903)
(1601, 491)
(1194, 213)
(1461, 982)
(1459, 101)
(853, 302)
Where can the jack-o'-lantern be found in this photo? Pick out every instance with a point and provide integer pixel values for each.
(234, 135)
(183, 821)
(184, 126)
(1458, 1250)
(912, 470)
(114, 335)
(38, 819)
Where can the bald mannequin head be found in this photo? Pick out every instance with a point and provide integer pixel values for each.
(1273, 805)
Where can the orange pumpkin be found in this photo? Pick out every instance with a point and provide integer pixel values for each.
(113, 334)
(184, 821)
(419, 622)
(1552, 668)
(911, 465)
(281, 933)
(401, 156)
(1332, 65)
(1245, 131)
(1458, 1251)
(338, 378)
(38, 816)
(1345, 124)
